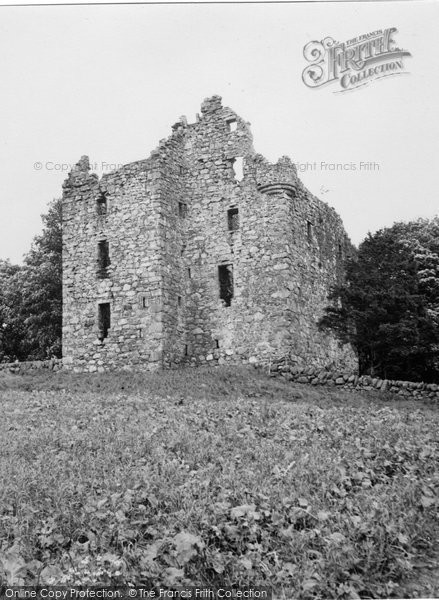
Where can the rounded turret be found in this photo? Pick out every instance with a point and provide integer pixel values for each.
(275, 178)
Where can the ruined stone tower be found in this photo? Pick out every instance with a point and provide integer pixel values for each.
(202, 253)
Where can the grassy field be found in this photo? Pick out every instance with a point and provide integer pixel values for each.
(217, 477)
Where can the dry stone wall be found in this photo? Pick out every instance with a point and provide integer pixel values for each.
(205, 253)
(351, 381)
(53, 364)
(305, 375)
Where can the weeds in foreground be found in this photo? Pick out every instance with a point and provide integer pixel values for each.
(214, 477)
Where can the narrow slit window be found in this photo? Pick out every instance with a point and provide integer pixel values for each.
(104, 318)
(189, 273)
(102, 205)
(309, 230)
(182, 210)
(225, 276)
(186, 350)
(179, 301)
(144, 302)
(233, 219)
(103, 259)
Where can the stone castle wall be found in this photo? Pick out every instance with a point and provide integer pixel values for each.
(176, 224)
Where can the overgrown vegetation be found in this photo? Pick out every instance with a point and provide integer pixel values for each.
(216, 477)
(388, 307)
(31, 296)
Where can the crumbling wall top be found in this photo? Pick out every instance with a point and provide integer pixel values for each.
(80, 175)
(211, 104)
(83, 164)
(283, 172)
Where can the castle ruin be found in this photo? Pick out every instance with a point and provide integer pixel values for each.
(204, 253)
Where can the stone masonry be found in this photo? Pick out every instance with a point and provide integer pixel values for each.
(202, 253)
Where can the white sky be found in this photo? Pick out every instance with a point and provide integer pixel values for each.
(109, 81)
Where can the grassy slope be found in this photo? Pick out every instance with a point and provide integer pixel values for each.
(216, 477)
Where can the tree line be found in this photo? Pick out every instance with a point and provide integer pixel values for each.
(31, 296)
(387, 306)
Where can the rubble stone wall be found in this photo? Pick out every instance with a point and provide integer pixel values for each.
(168, 230)
(303, 375)
(351, 381)
(53, 364)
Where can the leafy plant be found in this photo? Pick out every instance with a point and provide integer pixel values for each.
(251, 481)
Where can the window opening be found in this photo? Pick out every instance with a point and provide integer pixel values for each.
(309, 230)
(101, 204)
(104, 318)
(103, 258)
(238, 167)
(232, 125)
(233, 219)
(225, 276)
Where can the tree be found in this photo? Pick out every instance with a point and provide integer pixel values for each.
(11, 330)
(31, 301)
(41, 280)
(388, 306)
